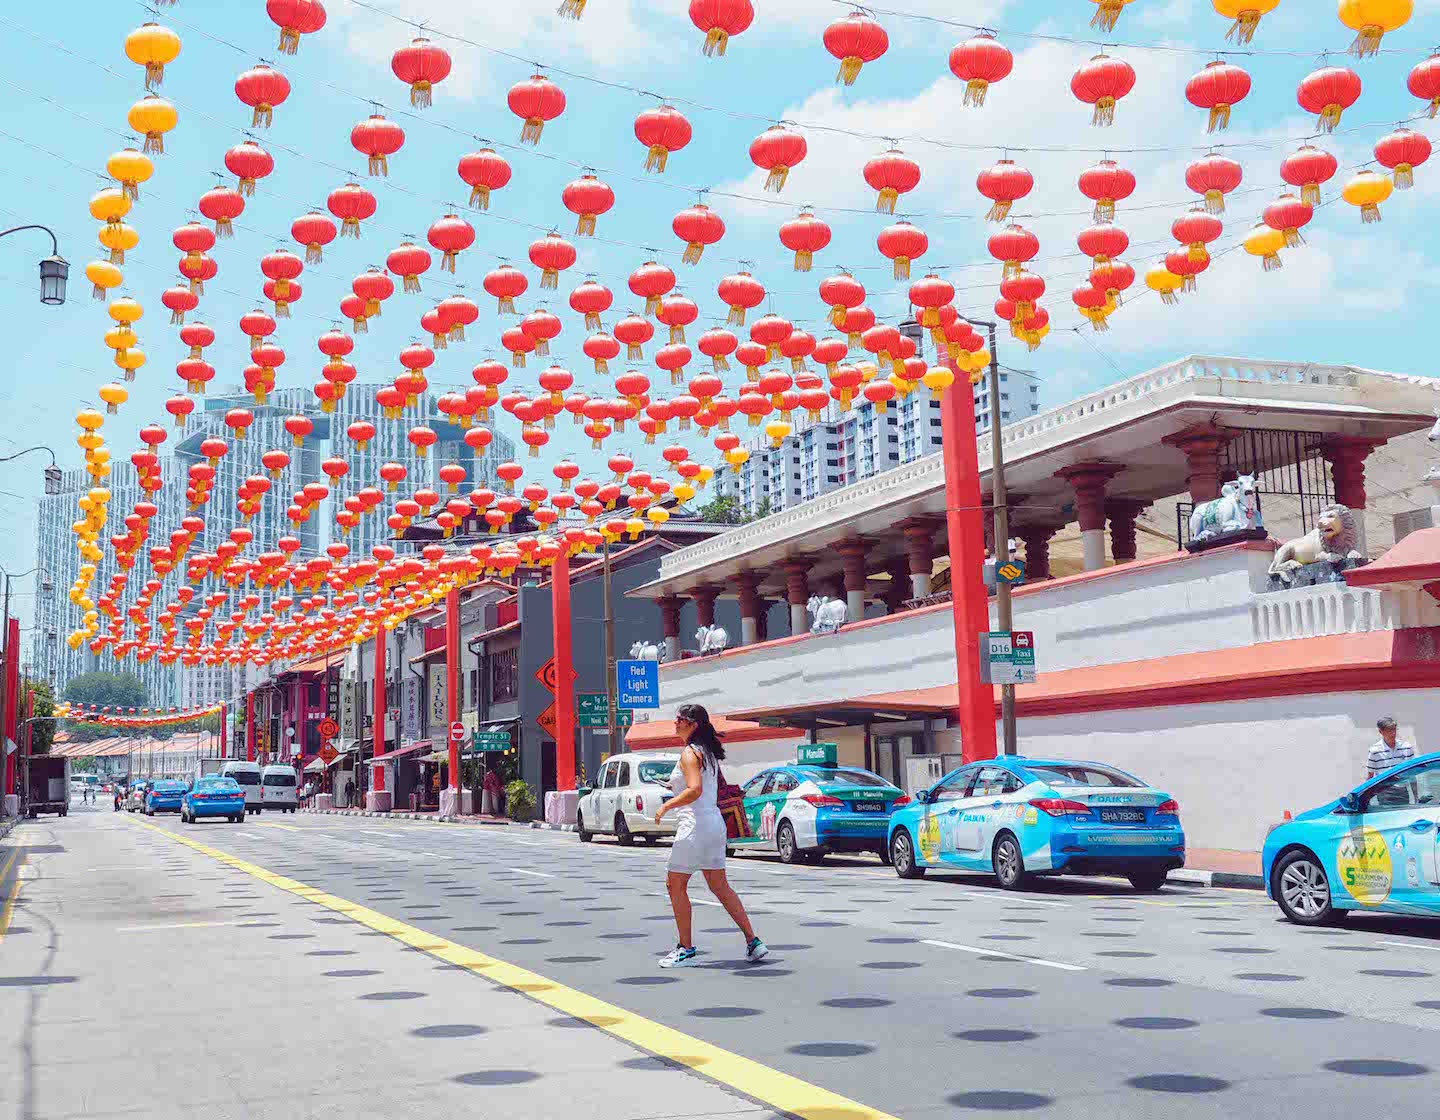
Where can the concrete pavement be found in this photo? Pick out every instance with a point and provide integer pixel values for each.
(944, 997)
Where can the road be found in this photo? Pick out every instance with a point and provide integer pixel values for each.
(427, 962)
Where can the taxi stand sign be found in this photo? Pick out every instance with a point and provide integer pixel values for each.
(816, 754)
(1007, 658)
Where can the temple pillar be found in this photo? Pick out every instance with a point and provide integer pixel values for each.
(1037, 550)
(670, 624)
(1201, 446)
(1122, 513)
(705, 596)
(920, 552)
(797, 592)
(852, 556)
(1346, 456)
(1088, 480)
(747, 588)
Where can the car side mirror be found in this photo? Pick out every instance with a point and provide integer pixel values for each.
(923, 796)
(1350, 803)
(584, 790)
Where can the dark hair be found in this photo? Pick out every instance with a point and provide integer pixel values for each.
(1384, 723)
(704, 737)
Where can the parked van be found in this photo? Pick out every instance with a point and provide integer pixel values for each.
(247, 775)
(278, 788)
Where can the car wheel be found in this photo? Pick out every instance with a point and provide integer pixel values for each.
(814, 855)
(902, 856)
(785, 843)
(1302, 889)
(622, 831)
(149, 812)
(651, 838)
(1009, 864)
(729, 853)
(585, 837)
(1150, 879)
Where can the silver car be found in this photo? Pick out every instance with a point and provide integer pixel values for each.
(628, 789)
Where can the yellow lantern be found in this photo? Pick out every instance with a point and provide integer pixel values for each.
(130, 168)
(114, 396)
(777, 430)
(1164, 283)
(658, 515)
(1265, 243)
(109, 205)
(152, 46)
(118, 237)
(634, 526)
(74, 639)
(125, 310)
(103, 276)
(130, 361)
(1370, 19)
(737, 457)
(1033, 339)
(153, 117)
(1246, 14)
(89, 419)
(120, 338)
(90, 442)
(937, 379)
(868, 370)
(980, 360)
(85, 504)
(1367, 191)
(902, 386)
(683, 491)
(1107, 13)
(705, 475)
(99, 495)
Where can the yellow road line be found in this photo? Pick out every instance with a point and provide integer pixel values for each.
(9, 907)
(778, 1090)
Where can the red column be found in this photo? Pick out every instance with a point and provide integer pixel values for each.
(452, 684)
(224, 731)
(250, 726)
(564, 673)
(378, 734)
(705, 596)
(1347, 457)
(1201, 445)
(968, 601)
(1037, 550)
(1122, 513)
(12, 691)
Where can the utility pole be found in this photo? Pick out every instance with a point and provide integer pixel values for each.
(611, 715)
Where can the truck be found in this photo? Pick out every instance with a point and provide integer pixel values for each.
(206, 768)
(48, 790)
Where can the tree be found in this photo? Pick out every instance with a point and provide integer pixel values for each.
(115, 690)
(42, 731)
(723, 509)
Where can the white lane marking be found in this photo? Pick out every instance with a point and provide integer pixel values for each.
(173, 925)
(1413, 945)
(537, 874)
(1007, 956)
(246, 835)
(693, 900)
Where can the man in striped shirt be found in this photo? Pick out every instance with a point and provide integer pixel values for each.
(1389, 750)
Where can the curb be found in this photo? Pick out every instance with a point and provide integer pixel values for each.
(7, 826)
(1196, 878)
(404, 816)
(553, 827)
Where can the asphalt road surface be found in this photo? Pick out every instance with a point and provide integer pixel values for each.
(334, 944)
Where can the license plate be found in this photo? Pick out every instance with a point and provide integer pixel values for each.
(1122, 816)
(867, 806)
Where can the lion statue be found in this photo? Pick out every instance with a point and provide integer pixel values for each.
(1333, 540)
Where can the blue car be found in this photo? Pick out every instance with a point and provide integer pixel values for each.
(163, 796)
(213, 797)
(805, 811)
(1376, 848)
(1021, 816)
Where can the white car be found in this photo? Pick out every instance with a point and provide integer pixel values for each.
(627, 791)
(278, 789)
(247, 775)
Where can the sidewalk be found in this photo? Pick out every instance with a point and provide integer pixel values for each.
(1221, 867)
(406, 815)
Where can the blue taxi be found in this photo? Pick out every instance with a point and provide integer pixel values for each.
(213, 796)
(1375, 848)
(805, 811)
(163, 796)
(1021, 816)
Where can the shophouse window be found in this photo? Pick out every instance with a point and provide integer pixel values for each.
(504, 675)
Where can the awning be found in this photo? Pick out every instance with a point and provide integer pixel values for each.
(315, 766)
(408, 749)
(344, 746)
(660, 733)
(899, 706)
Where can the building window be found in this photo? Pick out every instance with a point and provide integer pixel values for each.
(504, 675)
(474, 688)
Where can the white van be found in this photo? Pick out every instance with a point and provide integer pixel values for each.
(247, 774)
(278, 788)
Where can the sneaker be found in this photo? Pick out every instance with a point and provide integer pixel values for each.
(756, 950)
(678, 957)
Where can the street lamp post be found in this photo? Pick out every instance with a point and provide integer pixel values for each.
(54, 269)
(52, 472)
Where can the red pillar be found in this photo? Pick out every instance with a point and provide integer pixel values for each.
(966, 533)
(452, 684)
(224, 731)
(250, 726)
(564, 674)
(378, 734)
(12, 691)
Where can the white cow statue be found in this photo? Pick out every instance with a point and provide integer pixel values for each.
(1236, 510)
(712, 639)
(647, 651)
(826, 615)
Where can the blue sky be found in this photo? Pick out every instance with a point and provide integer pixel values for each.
(1354, 294)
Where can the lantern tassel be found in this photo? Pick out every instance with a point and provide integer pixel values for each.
(633, 351)
(314, 253)
(975, 90)
(379, 165)
(1293, 238)
(263, 116)
(998, 211)
(549, 278)
(224, 228)
(197, 286)
(571, 9)
(542, 349)
(155, 74)
(1367, 41)
(1197, 252)
(775, 181)
(585, 227)
(886, 199)
(1170, 299)
(655, 159)
(350, 227)
(177, 316)
(132, 189)
(602, 366)
(849, 69)
(447, 262)
(692, 252)
(99, 293)
(1404, 177)
(517, 360)
(716, 40)
(736, 318)
(1215, 202)
(1104, 115)
(652, 304)
(420, 94)
(1106, 15)
(1370, 213)
(803, 257)
(1219, 118)
(902, 268)
(246, 187)
(411, 283)
(854, 338)
(1272, 262)
(677, 333)
(480, 197)
(361, 324)
(530, 133)
(289, 40)
(1329, 118)
(1243, 29)
(505, 305)
(1105, 210)
(154, 144)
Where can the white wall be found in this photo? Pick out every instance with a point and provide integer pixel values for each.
(1236, 766)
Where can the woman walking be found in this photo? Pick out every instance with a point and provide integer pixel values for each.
(700, 841)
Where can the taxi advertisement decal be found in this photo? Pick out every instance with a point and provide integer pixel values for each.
(929, 838)
(1363, 861)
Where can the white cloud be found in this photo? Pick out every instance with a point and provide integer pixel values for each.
(811, 17)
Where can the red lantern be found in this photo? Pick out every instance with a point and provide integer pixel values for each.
(878, 393)
(651, 280)
(1307, 169)
(552, 254)
(697, 226)
(248, 162)
(841, 292)
(373, 286)
(717, 344)
(1178, 262)
(378, 139)
(1214, 176)
(1103, 242)
(179, 407)
(541, 326)
(451, 235)
(313, 230)
(1021, 292)
(930, 294)
(857, 321)
(505, 282)
(408, 261)
(420, 66)
(295, 18)
(677, 311)
(197, 336)
(891, 175)
(673, 359)
(222, 205)
(1289, 214)
(238, 420)
(535, 100)
(587, 198)
(1402, 151)
(1014, 246)
(1004, 185)
(634, 332)
(1092, 304)
(198, 271)
(519, 344)
(740, 292)
(592, 299)
(855, 40)
(1328, 92)
(193, 239)
(1216, 88)
(720, 19)
(770, 331)
(804, 235)
(1424, 83)
(1113, 277)
(421, 438)
(979, 62)
(662, 130)
(830, 352)
(776, 151)
(1196, 229)
(483, 171)
(362, 432)
(352, 204)
(1102, 82)
(600, 348)
(179, 301)
(262, 88)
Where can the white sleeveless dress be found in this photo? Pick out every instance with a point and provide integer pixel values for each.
(700, 838)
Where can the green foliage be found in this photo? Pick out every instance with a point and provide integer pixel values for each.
(118, 690)
(726, 510)
(42, 731)
(519, 801)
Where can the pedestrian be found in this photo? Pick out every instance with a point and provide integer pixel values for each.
(490, 799)
(700, 839)
(349, 793)
(1388, 750)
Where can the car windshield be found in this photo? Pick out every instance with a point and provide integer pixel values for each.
(1080, 774)
(657, 772)
(168, 786)
(843, 777)
(213, 785)
(279, 779)
(245, 777)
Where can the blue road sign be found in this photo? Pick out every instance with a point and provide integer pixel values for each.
(637, 684)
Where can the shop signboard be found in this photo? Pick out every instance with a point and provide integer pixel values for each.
(436, 709)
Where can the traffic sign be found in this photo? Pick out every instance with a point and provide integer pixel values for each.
(592, 709)
(1007, 658)
(490, 742)
(328, 728)
(457, 732)
(637, 684)
(546, 720)
(1011, 572)
(328, 753)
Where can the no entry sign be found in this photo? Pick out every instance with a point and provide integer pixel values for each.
(457, 732)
